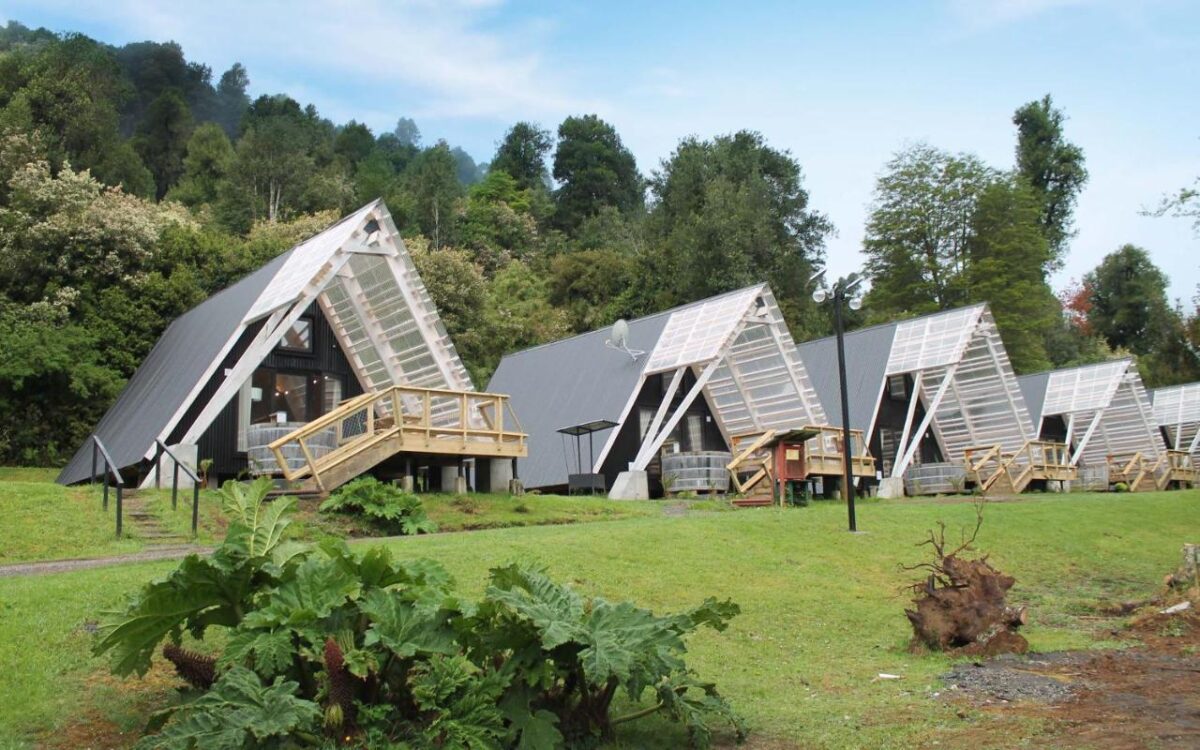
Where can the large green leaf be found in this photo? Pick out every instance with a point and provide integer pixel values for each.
(237, 713)
(197, 590)
(318, 587)
(268, 652)
(404, 628)
(630, 644)
(256, 527)
(528, 594)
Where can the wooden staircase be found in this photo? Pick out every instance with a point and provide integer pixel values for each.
(143, 523)
(400, 419)
(1136, 472)
(995, 472)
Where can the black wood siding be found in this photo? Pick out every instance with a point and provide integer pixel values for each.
(628, 440)
(219, 441)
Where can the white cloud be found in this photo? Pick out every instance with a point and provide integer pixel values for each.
(453, 53)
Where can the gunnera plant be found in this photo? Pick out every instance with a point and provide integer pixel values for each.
(385, 506)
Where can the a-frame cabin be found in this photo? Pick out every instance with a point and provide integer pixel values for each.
(328, 361)
(693, 388)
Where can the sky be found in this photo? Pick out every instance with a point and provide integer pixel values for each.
(842, 86)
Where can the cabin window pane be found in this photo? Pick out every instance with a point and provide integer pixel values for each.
(291, 396)
(332, 395)
(299, 337)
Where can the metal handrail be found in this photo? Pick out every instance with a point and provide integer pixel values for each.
(159, 449)
(110, 467)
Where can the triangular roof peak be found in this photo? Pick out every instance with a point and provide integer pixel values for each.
(357, 271)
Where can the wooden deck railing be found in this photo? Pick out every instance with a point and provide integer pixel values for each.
(987, 465)
(406, 418)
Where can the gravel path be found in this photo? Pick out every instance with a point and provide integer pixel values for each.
(63, 566)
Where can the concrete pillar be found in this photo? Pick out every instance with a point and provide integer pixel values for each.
(499, 473)
(450, 477)
(406, 483)
(891, 487)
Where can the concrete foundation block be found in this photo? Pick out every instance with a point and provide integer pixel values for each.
(891, 487)
(406, 484)
(449, 478)
(499, 473)
(460, 485)
(188, 456)
(630, 485)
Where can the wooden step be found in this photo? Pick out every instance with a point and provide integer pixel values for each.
(758, 501)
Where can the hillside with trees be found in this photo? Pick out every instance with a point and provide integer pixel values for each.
(134, 183)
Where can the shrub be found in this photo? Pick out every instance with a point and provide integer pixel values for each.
(385, 505)
(1120, 487)
(327, 647)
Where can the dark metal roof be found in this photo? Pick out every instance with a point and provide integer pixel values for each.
(163, 382)
(572, 381)
(867, 352)
(1033, 388)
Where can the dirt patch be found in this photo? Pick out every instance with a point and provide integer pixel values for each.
(1144, 696)
(126, 703)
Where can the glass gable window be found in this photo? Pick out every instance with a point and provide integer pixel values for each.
(299, 337)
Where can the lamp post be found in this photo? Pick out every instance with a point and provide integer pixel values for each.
(843, 292)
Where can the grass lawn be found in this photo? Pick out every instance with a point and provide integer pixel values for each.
(40, 520)
(822, 609)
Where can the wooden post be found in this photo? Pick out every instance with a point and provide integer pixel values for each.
(158, 452)
(119, 509)
(462, 417)
(174, 484)
(195, 506)
(312, 465)
(427, 417)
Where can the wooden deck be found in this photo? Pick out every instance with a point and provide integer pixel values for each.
(403, 419)
(994, 471)
(1141, 473)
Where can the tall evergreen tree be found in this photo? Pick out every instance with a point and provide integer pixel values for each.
(1128, 296)
(1053, 167)
(231, 98)
(162, 139)
(732, 211)
(594, 170)
(522, 155)
(1007, 253)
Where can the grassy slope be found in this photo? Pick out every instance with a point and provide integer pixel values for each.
(40, 520)
(821, 608)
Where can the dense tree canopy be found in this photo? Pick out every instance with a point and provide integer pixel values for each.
(132, 186)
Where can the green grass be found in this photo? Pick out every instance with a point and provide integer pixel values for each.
(27, 474)
(40, 520)
(477, 511)
(822, 609)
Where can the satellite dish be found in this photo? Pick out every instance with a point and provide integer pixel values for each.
(619, 339)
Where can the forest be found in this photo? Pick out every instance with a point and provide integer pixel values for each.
(134, 183)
